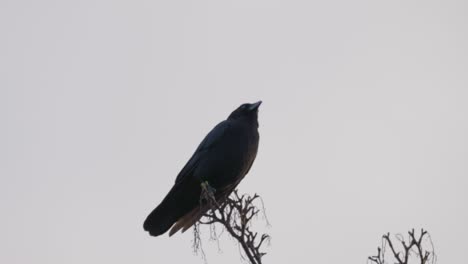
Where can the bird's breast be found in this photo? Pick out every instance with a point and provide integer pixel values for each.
(231, 159)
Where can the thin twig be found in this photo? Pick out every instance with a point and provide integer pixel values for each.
(235, 214)
(414, 244)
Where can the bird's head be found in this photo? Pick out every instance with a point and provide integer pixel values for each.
(248, 111)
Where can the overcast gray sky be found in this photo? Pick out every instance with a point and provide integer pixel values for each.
(363, 126)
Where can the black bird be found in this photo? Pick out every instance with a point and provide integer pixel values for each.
(222, 160)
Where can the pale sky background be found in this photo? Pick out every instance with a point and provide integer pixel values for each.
(363, 126)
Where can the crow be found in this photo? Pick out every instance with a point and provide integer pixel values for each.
(221, 160)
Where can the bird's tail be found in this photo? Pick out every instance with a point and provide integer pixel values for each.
(163, 216)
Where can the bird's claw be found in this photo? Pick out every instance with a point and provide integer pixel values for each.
(208, 195)
(207, 188)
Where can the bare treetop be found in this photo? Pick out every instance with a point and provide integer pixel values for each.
(419, 248)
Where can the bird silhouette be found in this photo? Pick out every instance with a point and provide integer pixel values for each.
(222, 160)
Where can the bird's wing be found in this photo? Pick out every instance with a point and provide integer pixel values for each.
(208, 142)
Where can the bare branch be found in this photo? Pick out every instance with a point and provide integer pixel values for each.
(415, 244)
(235, 214)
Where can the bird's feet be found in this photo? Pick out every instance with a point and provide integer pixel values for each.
(206, 187)
(208, 195)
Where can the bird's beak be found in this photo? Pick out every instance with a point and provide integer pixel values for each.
(255, 106)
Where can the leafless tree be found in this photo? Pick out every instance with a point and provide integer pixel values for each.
(420, 249)
(235, 215)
